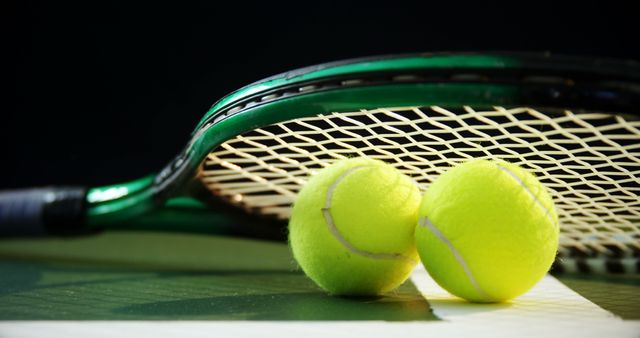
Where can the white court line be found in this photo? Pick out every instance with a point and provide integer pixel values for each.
(550, 309)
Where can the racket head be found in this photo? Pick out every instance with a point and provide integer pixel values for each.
(437, 84)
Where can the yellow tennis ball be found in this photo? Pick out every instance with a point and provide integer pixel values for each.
(487, 231)
(352, 227)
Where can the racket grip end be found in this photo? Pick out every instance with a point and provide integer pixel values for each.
(42, 211)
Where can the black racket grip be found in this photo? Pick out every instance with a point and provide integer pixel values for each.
(42, 211)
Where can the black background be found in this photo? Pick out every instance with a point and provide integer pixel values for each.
(102, 92)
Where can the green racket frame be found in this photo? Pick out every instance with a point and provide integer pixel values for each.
(447, 80)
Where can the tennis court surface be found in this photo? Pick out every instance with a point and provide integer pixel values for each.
(137, 284)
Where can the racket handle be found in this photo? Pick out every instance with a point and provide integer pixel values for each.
(42, 211)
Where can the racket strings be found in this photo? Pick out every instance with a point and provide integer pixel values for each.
(589, 161)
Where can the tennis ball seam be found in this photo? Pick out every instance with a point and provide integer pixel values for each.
(425, 222)
(547, 211)
(328, 218)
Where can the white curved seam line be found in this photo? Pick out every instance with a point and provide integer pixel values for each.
(425, 222)
(547, 212)
(328, 218)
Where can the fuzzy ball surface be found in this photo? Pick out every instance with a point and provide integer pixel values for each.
(352, 227)
(487, 231)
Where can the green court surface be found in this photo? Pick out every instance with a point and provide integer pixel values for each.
(169, 276)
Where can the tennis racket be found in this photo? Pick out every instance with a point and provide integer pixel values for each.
(574, 122)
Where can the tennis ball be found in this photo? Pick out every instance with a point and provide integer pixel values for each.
(487, 231)
(352, 227)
